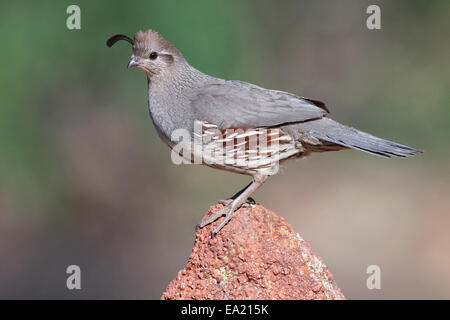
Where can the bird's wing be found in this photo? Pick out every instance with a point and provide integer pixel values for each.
(237, 104)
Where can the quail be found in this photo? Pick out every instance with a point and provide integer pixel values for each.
(237, 126)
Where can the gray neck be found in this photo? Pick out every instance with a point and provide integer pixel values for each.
(169, 99)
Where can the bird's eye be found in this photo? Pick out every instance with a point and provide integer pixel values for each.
(153, 55)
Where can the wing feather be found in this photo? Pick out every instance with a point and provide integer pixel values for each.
(237, 104)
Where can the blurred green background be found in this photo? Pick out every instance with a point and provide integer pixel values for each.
(85, 180)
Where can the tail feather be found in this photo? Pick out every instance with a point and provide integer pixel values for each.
(328, 130)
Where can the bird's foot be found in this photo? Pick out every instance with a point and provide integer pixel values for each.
(229, 206)
(219, 213)
(248, 203)
(228, 212)
(226, 202)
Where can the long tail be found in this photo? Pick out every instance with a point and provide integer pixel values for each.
(329, 130)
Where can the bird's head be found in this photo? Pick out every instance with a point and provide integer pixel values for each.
(151, 53)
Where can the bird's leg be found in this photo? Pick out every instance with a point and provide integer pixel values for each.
(241, 198)
(234, 205)
(228, 201)
(222, 211)
(250, 201)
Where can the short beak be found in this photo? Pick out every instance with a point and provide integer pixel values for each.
(132, 63)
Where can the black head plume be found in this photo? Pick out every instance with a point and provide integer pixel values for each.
(111, 41)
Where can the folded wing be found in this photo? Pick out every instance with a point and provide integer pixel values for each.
(237, 104)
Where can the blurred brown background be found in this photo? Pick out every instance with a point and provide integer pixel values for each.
(85, 180)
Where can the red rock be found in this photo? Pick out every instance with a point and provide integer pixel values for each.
(257, 255)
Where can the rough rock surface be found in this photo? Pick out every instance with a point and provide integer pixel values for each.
(257, 255)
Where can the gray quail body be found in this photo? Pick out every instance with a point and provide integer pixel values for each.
(234, 125)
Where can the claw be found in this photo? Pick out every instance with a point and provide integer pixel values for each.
(233, 204)
(214, 217)
(249, 202)
(227, 210)
(227, 218)
(226, 202)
